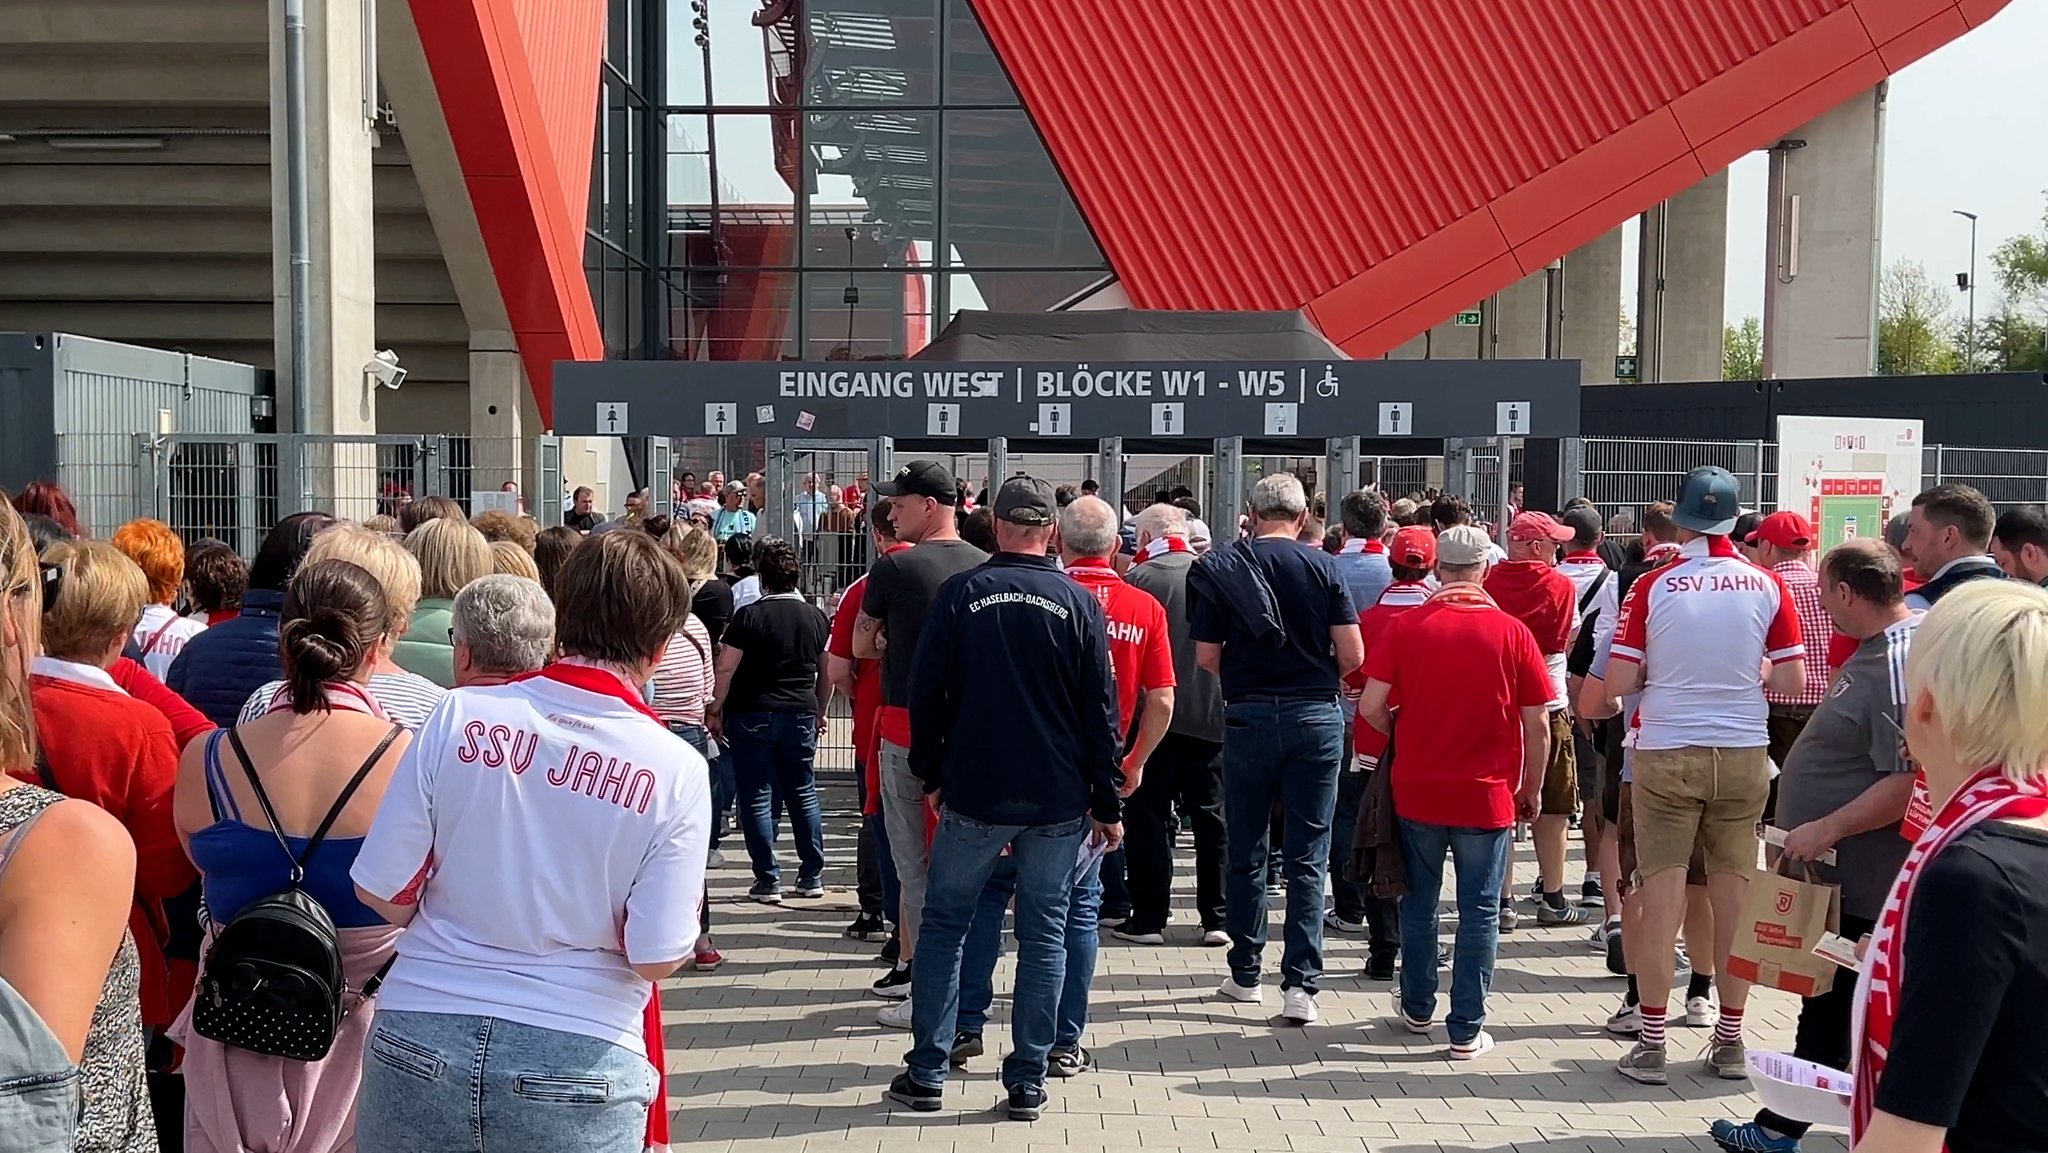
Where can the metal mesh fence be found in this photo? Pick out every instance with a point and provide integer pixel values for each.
(2010, 477)
(1621, 476)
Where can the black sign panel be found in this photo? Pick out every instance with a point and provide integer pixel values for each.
(974, 401)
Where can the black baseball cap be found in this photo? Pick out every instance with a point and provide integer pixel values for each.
(921, 478)
(1025, 500)
(1584, 521)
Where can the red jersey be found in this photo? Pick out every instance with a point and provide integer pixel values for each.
(1140, 655)
(1463, 670)
(867, 686)
(1398, 598)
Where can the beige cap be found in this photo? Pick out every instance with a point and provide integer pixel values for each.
(1461, 545)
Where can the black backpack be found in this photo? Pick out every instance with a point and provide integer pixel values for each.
(272, 983)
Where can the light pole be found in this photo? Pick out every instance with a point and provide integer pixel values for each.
(1968, 283)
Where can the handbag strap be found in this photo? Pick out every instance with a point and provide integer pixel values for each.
(299, 860)
(1593, 590)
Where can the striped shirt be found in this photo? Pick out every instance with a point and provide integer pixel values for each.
(406, 698)
(683, 680)
(1804, 585)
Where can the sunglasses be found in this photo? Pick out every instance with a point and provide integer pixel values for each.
(50, 579)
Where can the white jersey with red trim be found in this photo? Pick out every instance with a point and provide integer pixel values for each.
(1702, 628)
(553, 832)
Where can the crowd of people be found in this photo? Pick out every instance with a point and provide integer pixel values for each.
(275, 873)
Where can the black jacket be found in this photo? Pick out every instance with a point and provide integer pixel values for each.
(222, 666)
(1013, 712)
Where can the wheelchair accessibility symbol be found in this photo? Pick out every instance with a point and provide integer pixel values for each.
(1327, 386)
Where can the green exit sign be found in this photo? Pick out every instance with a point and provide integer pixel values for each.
(1470, 318)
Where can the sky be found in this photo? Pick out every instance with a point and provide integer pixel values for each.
(1963, 128)
(1962, 131)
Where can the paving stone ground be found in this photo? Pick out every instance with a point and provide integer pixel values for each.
(778, 1050)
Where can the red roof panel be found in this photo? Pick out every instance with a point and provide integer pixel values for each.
(1386, 163)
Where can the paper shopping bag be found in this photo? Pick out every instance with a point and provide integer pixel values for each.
(1782, 919)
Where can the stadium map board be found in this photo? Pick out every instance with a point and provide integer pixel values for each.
(1848, 475)
(978, 400)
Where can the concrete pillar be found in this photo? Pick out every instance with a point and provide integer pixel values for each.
(1682, 284)
(1590, 308)
(1518, 320)
(1823, 243)
(502, 416)
(339, 138)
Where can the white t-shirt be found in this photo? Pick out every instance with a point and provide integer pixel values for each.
(161, 634)
(745, 591)
(408, 699)
(1702, 627)
(560, 832)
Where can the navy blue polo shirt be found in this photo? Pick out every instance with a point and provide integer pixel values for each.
(1312, 600)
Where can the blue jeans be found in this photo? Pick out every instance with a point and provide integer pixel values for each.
(439, 1081)
(985, 947)
(1283, 750)
(964, 855)
(1480, 857)
(721, 773)
(773, 752)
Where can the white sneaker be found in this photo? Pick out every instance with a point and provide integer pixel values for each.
(1298, 1007)
(1409, 1023)
(1249, 994)
(1627, 1021)
(1478, 1046)
(1215, 938)
(894, 1015)
(1332, 921)
(1702, 1012)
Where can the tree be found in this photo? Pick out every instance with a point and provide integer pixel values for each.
(2015, 337)
(1916, 334)
(1742, 350)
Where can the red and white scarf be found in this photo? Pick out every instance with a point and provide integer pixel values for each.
(1662, 553)
(347, 695)
(1464, 593)
(1161, 544)
(1361, 546)
(1989, 796)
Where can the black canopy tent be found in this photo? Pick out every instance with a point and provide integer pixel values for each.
(1130, 334)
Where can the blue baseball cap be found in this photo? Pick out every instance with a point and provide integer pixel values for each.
(1708, 502)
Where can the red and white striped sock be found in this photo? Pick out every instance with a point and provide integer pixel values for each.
(1728, 1030)
(1653, 1023)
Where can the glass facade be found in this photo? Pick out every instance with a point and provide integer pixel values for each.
(839, 177)
(623, 238)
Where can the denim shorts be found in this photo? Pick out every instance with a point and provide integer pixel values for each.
(434, 1082)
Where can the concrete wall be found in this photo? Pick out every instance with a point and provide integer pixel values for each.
(1682, 278)
(1824, 244)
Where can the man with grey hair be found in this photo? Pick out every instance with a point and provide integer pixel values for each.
(1272, 618)
(504, 626)
(1187, 767)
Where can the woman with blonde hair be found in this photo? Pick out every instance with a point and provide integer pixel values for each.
(71, 1036)
(407, 697)
(451, 553)
(1951, 1034)
(102, 745)
(508, 559)
(249, 803)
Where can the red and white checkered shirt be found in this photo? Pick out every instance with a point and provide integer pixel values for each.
(1804, 585)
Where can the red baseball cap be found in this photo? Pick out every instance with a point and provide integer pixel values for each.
(1538, 526)
(1414, 547)
(1783, 529)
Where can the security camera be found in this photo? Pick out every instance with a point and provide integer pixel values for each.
(383, 368)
